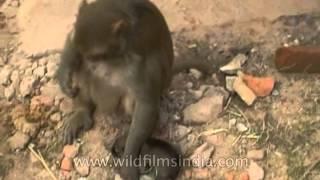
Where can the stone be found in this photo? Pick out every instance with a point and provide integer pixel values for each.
(5, 75)
(82, 169)
(39, 71)
(201, 173)
(27, 85)
(241, 127)
(9, 92)
(229, 83)
(207, 108)
(255, 171)
(56, 117)
(298, 59)
(244, 176)
(117, 177)
(51, 69)
(232, 122)
(245, 93)
(51, 89)
(18, 141)
(216, 139)
(202, 155)
(257, 154)
(34, 65)
(41, 100)
(235, 64)
(15, 78)
(26, 126)
(195, 73)
(70, 151)
(182, 131)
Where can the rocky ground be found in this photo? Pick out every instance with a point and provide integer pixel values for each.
(278, 135)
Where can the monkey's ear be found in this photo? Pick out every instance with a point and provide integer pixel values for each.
(119, 26)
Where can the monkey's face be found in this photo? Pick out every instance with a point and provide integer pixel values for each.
(99, 34)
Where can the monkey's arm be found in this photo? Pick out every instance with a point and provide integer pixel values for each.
(70, 61)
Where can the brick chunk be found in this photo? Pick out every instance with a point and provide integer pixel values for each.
(298, 59)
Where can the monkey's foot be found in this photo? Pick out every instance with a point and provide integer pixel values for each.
(130, 173)
(78, 122)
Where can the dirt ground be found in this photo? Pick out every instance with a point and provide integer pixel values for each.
(284, 126)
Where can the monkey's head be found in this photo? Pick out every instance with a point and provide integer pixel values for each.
(100, 34)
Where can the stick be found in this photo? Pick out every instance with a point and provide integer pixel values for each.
(41, 159)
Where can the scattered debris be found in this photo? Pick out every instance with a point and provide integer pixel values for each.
(234, 65)
(246, 94)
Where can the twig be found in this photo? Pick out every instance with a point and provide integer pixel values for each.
(242, 114)
(41, 159)
(228, 103)
(236, 140)
(310, 168)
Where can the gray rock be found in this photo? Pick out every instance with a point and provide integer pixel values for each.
(18, 141)
(207, 108)
(27, 84)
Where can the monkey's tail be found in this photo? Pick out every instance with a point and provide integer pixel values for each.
(201, 65)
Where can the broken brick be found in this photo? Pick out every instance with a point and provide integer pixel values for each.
(298, 59)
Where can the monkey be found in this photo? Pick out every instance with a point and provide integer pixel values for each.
(165, 157)
(118, 59)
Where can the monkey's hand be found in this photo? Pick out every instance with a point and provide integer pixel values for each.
(79, 121)
(66, 84)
